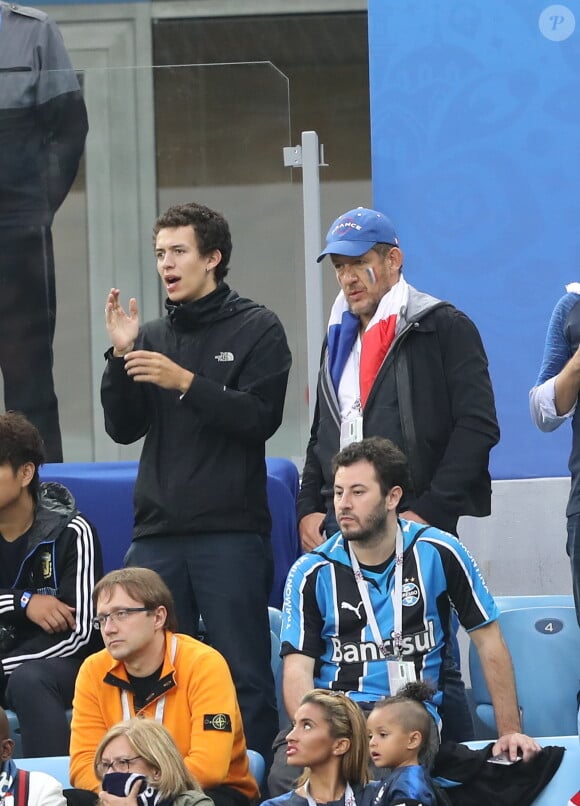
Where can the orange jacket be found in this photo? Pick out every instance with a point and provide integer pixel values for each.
(201, 712)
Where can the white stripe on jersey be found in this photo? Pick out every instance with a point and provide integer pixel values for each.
(84, 584)
(449, 547)
(7, 603)
(301, 598)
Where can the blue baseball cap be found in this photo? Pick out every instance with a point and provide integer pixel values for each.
(357, 231)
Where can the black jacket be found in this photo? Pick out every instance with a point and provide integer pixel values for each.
(203, 466)
(471, 781)
(436, 371)
(63, 559)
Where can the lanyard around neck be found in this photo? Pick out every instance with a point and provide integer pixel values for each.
(349, 799)
(160, 707)
(397, 604)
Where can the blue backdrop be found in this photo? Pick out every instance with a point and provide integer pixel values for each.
(475, 114)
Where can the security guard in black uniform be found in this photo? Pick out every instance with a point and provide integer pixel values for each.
(43, 127)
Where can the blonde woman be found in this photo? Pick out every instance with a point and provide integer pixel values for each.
(139, 765)
(329, 739)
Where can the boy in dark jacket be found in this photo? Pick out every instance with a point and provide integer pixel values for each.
(205, 385)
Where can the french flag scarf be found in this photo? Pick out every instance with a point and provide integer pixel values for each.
(343, 328)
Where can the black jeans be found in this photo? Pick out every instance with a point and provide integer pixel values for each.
(27, 322)
(457, 723)
(573, 551)
(41, 692)
(225, 578)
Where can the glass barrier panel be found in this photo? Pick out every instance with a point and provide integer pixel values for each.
(157, 136)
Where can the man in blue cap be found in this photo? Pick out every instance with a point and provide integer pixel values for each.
(401, 364)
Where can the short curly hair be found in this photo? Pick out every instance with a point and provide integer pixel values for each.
(211, 229)
(20, 442)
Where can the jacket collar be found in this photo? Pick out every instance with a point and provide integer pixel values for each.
(116, 674)
(187, 315)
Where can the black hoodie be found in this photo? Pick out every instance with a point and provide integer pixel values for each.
(203, 467)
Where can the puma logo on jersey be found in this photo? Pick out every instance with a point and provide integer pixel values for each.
(224, 356)
(348, 606)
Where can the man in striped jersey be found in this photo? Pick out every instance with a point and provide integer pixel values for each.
(50, 560)
(368, 610)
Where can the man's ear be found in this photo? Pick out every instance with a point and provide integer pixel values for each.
(160, 616)
(395, 258)
(26, 473)
(213, 259)
(6, 749)
(394, 497)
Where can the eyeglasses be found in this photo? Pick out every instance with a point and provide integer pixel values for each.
(116, 765)
(118, 615)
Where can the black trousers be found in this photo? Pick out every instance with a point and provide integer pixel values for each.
(27, 322)
(225, 578)
(573, 551)
(41, 692)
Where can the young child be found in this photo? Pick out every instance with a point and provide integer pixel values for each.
(399, 729)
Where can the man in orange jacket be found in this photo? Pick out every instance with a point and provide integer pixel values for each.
(148, 670)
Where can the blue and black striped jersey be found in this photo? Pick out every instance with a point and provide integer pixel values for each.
(324, 617)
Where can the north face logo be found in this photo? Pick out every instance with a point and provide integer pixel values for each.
(224, 356)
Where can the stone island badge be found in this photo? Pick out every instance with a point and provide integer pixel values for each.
(217, 722)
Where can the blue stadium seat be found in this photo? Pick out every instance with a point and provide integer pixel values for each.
(277, 667)
(275, 659)
(544, 643)
(57, 766)
(257, 766)
(566, 781)
(104, 493)
(275, 617)
(529, 600)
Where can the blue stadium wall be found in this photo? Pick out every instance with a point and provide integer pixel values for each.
(475, 114)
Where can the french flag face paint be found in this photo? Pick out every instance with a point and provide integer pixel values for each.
(370, 273)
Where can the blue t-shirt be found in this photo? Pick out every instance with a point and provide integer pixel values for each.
(562, 341)
(324, 618)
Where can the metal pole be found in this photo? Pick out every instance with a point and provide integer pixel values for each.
(309, 157)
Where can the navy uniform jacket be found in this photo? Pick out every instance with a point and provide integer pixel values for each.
(43, 119)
